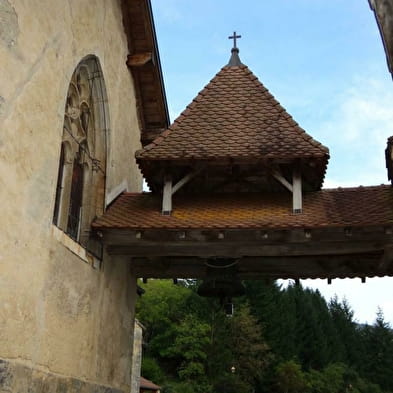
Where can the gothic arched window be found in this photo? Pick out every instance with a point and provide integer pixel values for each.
(80, 187)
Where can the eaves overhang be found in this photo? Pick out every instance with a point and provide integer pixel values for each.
(383, 10)
(341, 233)
(144, 63)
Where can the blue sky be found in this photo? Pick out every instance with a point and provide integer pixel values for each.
(324, 62)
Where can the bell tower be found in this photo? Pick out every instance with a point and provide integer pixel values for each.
(234, 137)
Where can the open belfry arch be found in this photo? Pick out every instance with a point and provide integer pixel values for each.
(236, 190)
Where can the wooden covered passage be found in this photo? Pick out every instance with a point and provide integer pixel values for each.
(236, 190)
(341, 233)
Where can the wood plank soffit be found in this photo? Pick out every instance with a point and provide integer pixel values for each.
(144, 63)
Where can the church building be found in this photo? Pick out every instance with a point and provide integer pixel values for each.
(237, 194)
(80, 84)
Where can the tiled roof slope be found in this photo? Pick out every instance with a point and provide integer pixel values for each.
(362, 206)
(148, 385)
(234, 116)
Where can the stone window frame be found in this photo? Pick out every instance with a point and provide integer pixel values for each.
(84, 144)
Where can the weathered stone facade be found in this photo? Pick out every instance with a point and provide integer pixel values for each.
(15, 377)
(136, 356)
(66, 318)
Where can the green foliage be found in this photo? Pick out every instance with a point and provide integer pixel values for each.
(190, 345)
(250, 353)
(152, 370)
(279, 339)
(290, 378)
(185, 387)
(346, 346)
(231, 383)
(338, 378)
(378, 352)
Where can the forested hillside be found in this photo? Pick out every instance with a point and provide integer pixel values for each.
(278, 340)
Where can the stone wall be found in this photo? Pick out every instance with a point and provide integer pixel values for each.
(15, 377)
(136, 356)
(64, 316)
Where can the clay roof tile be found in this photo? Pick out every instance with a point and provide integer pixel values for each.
(341, 207)
(235, 104)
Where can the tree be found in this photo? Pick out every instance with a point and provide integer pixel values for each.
(161, 309)
(279, 339)
(378, 356)
(275, 311)
(290, 378)
(152, 370)
(250, 352)
(347, 347)
(190, 345)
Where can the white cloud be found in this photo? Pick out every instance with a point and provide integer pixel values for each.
(363, 298)
(367, 112)
(360, 121)
(363, 113)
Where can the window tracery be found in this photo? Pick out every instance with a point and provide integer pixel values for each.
(81, 177)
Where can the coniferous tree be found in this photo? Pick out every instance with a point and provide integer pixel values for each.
(313, 347)
(378, 355)
(348, 348)
(250, 353)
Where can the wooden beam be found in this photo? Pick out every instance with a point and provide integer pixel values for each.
(386, 259)
(297, 191)
(339, 266)
(167, 196)
(139, 59)
(280, 178)
(184, 180)
(331, 235)
(230, 249)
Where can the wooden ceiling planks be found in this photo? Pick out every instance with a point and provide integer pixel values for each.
(144, 64)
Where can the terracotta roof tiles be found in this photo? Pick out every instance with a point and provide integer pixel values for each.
(362, 206)
(148, 385)
(233, 116)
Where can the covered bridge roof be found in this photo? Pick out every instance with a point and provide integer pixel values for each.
(341, 207)
(344, 232)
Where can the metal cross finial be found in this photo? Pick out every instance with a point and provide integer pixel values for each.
(233, 37)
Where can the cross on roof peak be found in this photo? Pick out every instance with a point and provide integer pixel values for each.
(234, 61)
(233, 37)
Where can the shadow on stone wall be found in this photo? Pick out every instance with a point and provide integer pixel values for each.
(16, 378)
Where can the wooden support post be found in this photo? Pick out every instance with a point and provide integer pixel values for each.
(167, 196)
(386, 259)
(170, 189)
(297, 191)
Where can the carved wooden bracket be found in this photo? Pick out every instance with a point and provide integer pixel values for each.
(295, 187)
(170, 189)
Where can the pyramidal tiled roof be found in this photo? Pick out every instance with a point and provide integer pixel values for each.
(234, 116)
